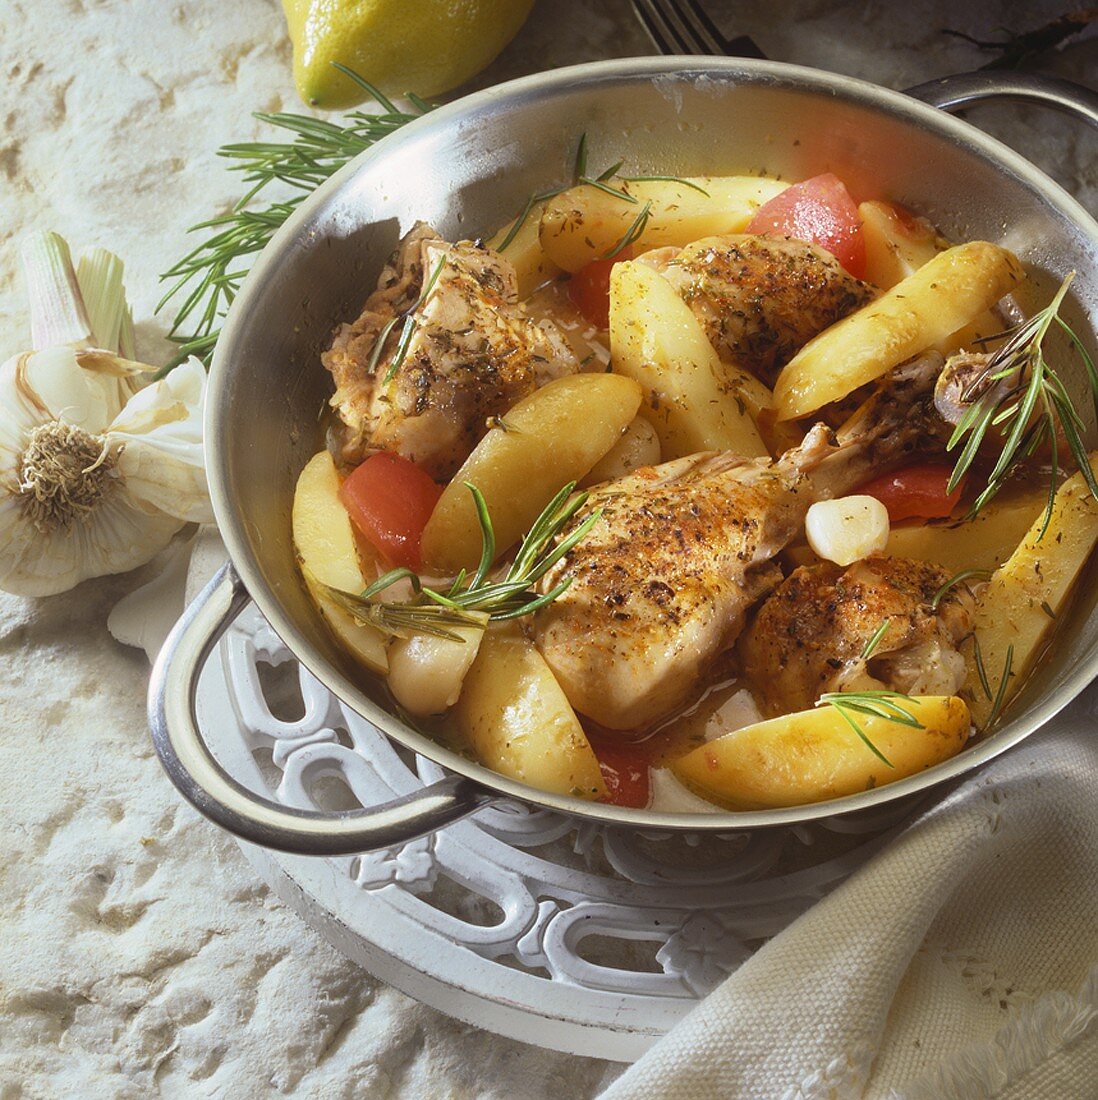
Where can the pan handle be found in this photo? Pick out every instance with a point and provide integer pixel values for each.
(953, 93)
(213, 792)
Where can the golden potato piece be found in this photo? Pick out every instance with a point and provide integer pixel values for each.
(326, 545)
(1016, 611)
(532, 266)
(940, 298)
(656, 339)
(814, 755)
(548, 439)
(896, 244)
(983, 542)
(583, 223)
(514, 716)
(639, 446)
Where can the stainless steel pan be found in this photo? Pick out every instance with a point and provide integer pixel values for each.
(465, 168)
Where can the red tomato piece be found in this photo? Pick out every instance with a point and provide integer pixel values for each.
(915, 492)
(390, 500)
(589, 288)
(819, 210)
(625, 772)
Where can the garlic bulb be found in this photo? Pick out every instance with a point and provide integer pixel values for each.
(98, 467)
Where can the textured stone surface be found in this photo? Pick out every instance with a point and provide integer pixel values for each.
(138, 951)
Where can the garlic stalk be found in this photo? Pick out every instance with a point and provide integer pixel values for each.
(99, 466)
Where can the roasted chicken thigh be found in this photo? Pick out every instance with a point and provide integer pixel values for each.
(810, 635)
(760, 299)
(471, 354)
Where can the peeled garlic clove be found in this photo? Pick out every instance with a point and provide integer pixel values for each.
(847, 529)
(162, 456)
(426, 673)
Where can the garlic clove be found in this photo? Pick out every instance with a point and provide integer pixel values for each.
(161, 455)
(847, 529)
(54, 380)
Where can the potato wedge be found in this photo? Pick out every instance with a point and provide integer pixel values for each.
(657, 340)
(896, 244)
(532, 266)
(984, 542)
(1013, 611)
(814, 755)
(514, 716)
(941, 297)
(327, 548)
(548, 439)
(639, 446)
(583, 223)
(426, 672)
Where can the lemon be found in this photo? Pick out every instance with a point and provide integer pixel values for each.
(426, 46)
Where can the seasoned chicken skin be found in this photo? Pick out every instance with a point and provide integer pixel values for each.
(760, 299)
(661, 585)
(473, 353)
(810, 635)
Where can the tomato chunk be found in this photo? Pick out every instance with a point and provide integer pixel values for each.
(625, 772)
(390, 500)
(821, 211)
(915, 492)
(589, 288)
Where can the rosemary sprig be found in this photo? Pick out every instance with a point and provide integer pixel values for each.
(877, 704)
(434, 612)
(1035, 405)
(579, 175)
(209, 276)
(410, 323)
(875, 641)
(666, 179)
(632, 234)
(999, 696)
(956, 579)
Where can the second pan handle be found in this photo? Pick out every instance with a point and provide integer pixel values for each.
(953, 93)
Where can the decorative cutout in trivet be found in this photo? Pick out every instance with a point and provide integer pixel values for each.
(562, 933)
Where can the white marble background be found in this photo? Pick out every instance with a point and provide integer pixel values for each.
(139, 955)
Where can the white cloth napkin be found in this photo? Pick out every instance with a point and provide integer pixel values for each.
(960, 963)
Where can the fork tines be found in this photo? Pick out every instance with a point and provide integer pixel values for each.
(684, 27)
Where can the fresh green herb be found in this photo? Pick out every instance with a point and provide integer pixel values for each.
(665, 179)
(956, 579)
(877, 704)
(436, 613)
(579, 175)
(1046, 607)
(875, 641)
(1000, 695)
(981, 669)
(633, 233)
(209, 276)
(517, 224)
(1035, 405)
(406, 333)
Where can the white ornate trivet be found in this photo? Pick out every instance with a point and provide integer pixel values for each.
(564, 934)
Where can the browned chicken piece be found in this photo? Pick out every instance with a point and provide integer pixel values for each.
(661, 585)
(472, 354)
(760, 299)
(810, 635)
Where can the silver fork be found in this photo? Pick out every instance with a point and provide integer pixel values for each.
(684, 27)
